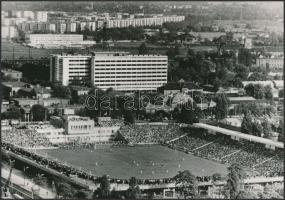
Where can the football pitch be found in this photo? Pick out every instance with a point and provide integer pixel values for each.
(145, 162)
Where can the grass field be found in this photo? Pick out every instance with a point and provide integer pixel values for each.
(154, 161)
(24, 51)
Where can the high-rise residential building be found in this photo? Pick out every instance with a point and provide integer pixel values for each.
(51, 27)
(91, 26)
(70, 68)
(83, 26)
(29, 14)
(71, 27)
(41, 16)
(16, 13)
(4, 32)
(41, 26)
(118, 70)
(61, 28)
(8, 32)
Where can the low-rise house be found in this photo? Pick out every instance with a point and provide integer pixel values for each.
(10, 89)
(35, 92)
(263, 83)
(239, 100)
(181, 87)
(79, 90)
(4, 106)
(170, 89)
(231, 91)
(24, 102)
(13, 74)
(65, 110)
(150, 108)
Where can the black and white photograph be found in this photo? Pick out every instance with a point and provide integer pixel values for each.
(142, 99)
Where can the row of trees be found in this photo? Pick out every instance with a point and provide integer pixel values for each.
(258, 127)
(187, 186)
(207, 68)
(104, 34)
(259, 91)
(38, 112)
(256, 109)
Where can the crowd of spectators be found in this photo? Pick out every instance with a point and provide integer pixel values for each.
(221, 148)
(217, 147)
(272, 167)
(25, 138)
(147, 133)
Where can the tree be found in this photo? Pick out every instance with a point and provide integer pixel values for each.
(267, 128)
(258, 91)
(189, 113)
(81, 194)
(257, 129)
(235, 182)
(246, 125)
(65, 190)
(61, 91)
(39, 112)
(268, 92)
(143, 49)
(36, 70)
(258, 76)
(249, 89)
(128, 117)
(104, 190)
(134, 191)
(186, 183)
(246, 195)
(281, 93)
(245, 57)
(221, 106)
(172, 52)
(242, 71)
(12, 113)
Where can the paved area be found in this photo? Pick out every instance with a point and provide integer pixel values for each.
(27, 184)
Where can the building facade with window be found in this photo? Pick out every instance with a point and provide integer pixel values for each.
(124, 72)
(68, 69)
(118, 70)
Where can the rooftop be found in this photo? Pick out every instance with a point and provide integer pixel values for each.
(10, 70)
(15, 84)
(244, 98)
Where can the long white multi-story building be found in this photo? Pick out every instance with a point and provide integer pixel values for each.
(56, 40)
(125, 72)
(118, 70)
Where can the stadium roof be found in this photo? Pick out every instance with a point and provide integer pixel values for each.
(241, 135)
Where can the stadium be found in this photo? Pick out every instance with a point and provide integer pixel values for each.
(152, 152)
